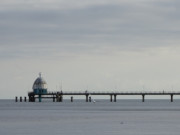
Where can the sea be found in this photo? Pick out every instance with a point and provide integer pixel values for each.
(102, 117)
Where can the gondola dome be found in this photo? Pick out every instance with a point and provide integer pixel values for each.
(40, 85)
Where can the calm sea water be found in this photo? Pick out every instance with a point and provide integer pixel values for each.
(125, 117)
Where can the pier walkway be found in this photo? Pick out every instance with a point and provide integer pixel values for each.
(58, 96)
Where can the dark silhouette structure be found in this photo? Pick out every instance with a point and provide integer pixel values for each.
(58, 96)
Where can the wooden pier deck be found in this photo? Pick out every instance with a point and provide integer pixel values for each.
(58, 96)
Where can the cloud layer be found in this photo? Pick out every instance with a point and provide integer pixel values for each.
(123, 39)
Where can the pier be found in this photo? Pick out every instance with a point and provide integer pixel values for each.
(40, 92)
(58, 96)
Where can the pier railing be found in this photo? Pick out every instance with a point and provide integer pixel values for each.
(111, 92)
(117, 92)
(58, 95)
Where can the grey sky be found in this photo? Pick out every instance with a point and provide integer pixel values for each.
(105, 44)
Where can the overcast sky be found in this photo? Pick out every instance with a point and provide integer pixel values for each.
(99, 45)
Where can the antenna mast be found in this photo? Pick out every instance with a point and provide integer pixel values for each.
(40, 74)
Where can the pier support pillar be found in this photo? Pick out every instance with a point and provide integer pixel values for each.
(72, 99)
(16, 99)
(58, 98)
(110, 98)
(20, 99)
(171, 97)
(31, 99)
(40, 99)
(89, 99)
(143, 97)
(54, 99)
(61, 98)
(115, 98)
(86, 98)
(24, 99)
